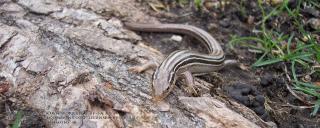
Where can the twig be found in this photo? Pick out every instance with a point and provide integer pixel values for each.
(289, 88)
(297, 107)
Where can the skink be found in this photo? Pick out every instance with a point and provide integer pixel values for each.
(182, 61)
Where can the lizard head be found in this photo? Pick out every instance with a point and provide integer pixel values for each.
(162, 84)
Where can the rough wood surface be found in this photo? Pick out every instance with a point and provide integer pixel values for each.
(71, 57)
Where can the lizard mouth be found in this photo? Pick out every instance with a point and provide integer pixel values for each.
(162, 96)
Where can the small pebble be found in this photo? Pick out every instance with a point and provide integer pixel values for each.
(306, 78)
(211, 4)
(242, 99)
(265, 116)
(250, 19)
(260, 99)
(225, 22)
(312, 11)
(240, 86)
(259, 110)
(278, 66)
(280, 82)
(270, 93)
(245, 91)
(253, 4)
(266, 80)
(176, 38)
(212, 26)
(314, 23)
(234, 93)
(249, 96)
(254, 91)
(255, 104)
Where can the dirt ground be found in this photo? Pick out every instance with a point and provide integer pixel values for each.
(70, 55)
(245, 86)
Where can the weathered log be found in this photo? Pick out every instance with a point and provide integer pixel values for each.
(68, 61)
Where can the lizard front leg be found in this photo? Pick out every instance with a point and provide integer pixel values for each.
(191, 88)
(149, 65)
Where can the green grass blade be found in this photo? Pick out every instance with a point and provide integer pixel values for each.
(293, 71)
(17, 121)
(318, 57)
(299, 56)
(238, 39)
(262, 57)
(307, 91)
(289, 43)
(302, 62)
(307, 85)
(316, 108)
(267, 62)
(303, 47)
(198, 4)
